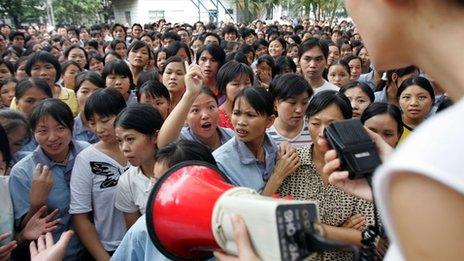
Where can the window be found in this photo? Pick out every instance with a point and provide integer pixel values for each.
(155, 15)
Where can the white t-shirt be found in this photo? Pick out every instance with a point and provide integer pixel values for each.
(302, 139)
(433, 150)
(133, 191)
(93, 189)
(325, 87)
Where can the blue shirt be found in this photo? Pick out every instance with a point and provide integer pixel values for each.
(225, 134)
(25, 150)
(239, 164)
(58, 197)
(80, 132)
(137, 246)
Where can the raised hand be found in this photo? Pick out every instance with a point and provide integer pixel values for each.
(46, 250)
(193, 78)
(37, 226)
(5, 251)
(42, 182)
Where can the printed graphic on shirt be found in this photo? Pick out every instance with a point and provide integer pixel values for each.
(111, 173)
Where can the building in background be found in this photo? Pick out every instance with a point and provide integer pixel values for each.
(177, 11)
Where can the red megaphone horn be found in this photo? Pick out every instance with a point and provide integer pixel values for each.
(188, 216)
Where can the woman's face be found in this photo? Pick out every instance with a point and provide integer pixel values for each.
(30, 99)
(237, 84)
(69, 76)
(161, 61)
(139, 58)
(356, 69)
(249, 126)
(21, 72)
(44, 70)
(119, 82)
(209, 65)
(53, 137)
(359, 100)
(415, 102)
(262, 50)
(119, 33)
(7, 93)
(196, 45)
(203, 117)
(84, 92)
(385, 126)
(173, 77)
(5, 74)
(148, 41)
(338, 75)
(364, 55)
(159, 103)
(96, 66)
(291, 110)
(318, 122)
(276, 49)
(293, 53)
(103, 127)
(17, 139)
(137, 147)
(77, 55)
(334, 54)
(183, 54)
(346, 50)
(121, 49)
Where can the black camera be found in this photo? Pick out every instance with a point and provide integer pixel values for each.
(355, 149)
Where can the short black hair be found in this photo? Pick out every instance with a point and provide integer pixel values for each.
(28, 83)
(229, 71)
(136, 45)
(284, 63)
(214, 50)
(363, 86)
(258, 98)
(70, 48)
(115, 42)
(269, 60)
(8, 65)
(203, 37)
(419, 81)
(44, 57)
(182, 150)
(378, 108)
(174, 47)
(324, 99)
(230, 28)
(315, 42)
(289, 86)
(142, 118)
(90, 76)
(55, 108)
(154, 89)
(170, 35)
(104, 102)
(118, 67)
(259, 42)
(65, 66)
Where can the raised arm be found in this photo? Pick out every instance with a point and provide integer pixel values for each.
(173, 124)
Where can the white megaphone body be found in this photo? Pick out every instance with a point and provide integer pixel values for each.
(189, 215)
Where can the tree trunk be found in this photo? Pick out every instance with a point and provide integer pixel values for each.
(16, 20)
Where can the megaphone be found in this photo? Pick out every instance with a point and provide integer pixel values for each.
(189, 209)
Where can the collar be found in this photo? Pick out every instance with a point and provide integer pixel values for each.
(40, 157)
(246, 157)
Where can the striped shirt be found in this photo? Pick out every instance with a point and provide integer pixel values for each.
(302, 139)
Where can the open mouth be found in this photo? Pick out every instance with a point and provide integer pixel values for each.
(206, 126)
(241, 132)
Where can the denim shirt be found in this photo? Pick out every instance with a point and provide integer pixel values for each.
(137, 245)
(80, 132)
(225, 134)
(59, 196)
(239, 164)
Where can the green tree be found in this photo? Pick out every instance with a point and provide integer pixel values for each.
(19, 10)
(71, 11)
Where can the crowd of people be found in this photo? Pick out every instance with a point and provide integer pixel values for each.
(92, 117)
